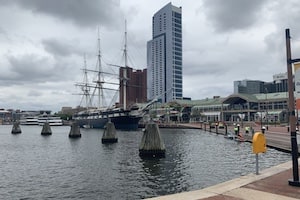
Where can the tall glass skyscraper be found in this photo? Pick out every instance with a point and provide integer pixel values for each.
(164, 55)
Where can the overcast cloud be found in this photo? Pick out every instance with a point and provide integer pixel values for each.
(43, 44)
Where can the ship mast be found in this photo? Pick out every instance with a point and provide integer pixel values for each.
(99, 78)
(85, 88)
(125, 70)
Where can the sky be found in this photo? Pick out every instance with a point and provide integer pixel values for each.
(44, 45)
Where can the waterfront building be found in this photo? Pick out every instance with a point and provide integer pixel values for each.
(266, 108)
(164, 55)
(136, 86)
(279, 84)
(248, 86)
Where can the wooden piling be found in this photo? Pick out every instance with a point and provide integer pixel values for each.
(75, 130)
(152, 144)
(46, 129)
(16, 128)
(109, 134)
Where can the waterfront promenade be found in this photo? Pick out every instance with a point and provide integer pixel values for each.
(269, 184)
(277, 137)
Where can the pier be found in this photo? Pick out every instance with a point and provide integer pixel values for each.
(278, 137)
(270, 184)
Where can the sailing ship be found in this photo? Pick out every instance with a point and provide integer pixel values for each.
(124, 118)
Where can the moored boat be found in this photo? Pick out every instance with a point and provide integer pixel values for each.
(123, 117)
(52, 120)
(30, 120)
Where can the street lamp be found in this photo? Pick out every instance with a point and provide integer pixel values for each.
(266, 103)
(291, 109)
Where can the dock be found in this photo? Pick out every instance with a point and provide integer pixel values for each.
(277, 137)
(269, 184)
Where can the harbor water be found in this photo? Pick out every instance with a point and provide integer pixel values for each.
(57, 167)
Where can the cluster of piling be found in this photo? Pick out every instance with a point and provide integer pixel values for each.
(151, 144)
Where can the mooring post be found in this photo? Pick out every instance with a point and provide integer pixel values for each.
(109, 134)
(152, 144)
(16, 128)
(75, 130)
(46, 129)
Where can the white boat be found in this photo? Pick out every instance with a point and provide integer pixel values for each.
(52, 120)
(30, 120)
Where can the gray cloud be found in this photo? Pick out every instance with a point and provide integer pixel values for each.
(35, 93)
(32, 68)
(43, 41)
(61, 47)
(231, 15)
(29, 67)
(82, 13)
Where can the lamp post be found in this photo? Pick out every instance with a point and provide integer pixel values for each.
(267, 104)
(291, 109)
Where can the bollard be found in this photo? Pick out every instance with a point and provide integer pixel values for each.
(152, 144)
(46, 129)
(75, 131)
(109, 134)
(16, 128)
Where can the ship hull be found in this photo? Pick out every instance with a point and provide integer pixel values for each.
(91, 123)
(120, 122)
(126, 122)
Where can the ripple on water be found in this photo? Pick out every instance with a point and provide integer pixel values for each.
(56, 167)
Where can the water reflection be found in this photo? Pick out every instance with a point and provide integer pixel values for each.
(57, 167)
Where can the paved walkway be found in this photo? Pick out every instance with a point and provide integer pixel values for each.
(277, 137)
(270, 184)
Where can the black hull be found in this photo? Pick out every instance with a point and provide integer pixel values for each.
(126, 122)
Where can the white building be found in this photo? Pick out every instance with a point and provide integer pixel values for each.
(164, 55)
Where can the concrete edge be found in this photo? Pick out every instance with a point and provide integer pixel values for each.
(227, 186)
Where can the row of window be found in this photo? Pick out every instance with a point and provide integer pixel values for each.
(177, 34)
(178, 53)
(176, 29)
(178, 82)
(176, 14)
(177, 63)
(177, 20)
(177, 39)
(177, 48)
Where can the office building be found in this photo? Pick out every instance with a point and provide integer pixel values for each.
(164, 55)
(279, 84)
(136, 86)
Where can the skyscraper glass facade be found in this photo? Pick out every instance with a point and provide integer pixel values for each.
(164, 55)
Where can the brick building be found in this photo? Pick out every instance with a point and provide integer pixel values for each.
(136, 87)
